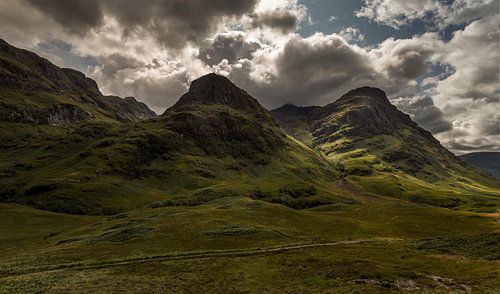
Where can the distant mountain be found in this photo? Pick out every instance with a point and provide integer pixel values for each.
(382, 149)
(33, 90)
(488, 162)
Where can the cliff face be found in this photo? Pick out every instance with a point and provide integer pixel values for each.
(33, 90)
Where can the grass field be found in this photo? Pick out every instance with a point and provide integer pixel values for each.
(232, 245)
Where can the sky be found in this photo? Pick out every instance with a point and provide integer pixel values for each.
(437, 60)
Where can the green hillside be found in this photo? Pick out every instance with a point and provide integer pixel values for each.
(190, 155)
(381, 149)
(35, 91)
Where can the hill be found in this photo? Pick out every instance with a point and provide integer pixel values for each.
(35, 91)
(384, 151)
(488, 162)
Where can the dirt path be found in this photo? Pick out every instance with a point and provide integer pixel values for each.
(178, 256)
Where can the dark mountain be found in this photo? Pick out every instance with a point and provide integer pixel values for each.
(382, 149)
(33, 90)
(488, 162)
(223, 119)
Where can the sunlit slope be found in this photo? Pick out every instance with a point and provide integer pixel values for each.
(384, 151)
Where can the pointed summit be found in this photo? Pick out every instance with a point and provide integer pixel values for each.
(223, 120)
(365, 110)
(216, 89)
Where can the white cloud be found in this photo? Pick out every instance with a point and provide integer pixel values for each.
(397, 13)
(352, 34)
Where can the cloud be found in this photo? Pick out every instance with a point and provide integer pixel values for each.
(407, 59)
(76, 16)
(473, 53)
(284, 21)
(172, 22)
(230, 46)
(423, 111)
(352, 34)
(313, 70)
(398, 13)
(159, 82)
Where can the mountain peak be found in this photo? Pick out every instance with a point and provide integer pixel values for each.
(216, 89)
(366, 95)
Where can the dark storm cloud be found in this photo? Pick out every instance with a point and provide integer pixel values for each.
(231, 47)
(112, 64)
(322, 66)
(412, 65)
(316, 70)
(426, 115)
(281, 20)
(75, 16)
(172, 22)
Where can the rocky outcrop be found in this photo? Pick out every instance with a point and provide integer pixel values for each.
(125, 109)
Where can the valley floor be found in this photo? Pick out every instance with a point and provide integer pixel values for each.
(239, 245)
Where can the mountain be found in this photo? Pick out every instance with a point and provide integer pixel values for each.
(66, 147)
(35, 91)
(384, 151)
(217, 141)
(224, 119)
(488, 162)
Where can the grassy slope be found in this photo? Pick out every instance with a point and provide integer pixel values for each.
(402, 163)
(409, 248)
(99, 168)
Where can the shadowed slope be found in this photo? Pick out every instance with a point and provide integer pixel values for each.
(33, 90)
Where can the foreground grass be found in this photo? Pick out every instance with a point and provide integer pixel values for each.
(236, 244)
(366, 267)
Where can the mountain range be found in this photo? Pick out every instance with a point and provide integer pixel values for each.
(218, 194)
(74, 150)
